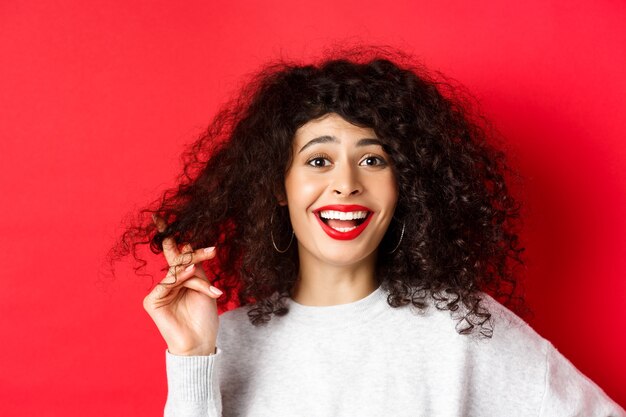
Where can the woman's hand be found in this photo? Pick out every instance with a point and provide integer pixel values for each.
(183, 305)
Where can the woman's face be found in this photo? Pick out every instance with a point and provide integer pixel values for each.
(341, 191)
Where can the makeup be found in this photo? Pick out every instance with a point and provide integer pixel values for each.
(343, 222)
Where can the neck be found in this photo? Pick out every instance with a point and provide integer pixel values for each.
(322, 284)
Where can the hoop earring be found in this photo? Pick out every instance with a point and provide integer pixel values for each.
(400, 241)
(272, 236)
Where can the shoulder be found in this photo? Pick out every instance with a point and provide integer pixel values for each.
(570, 392)
(520, 349)
(511, 332)
(235, 315)
(511, 335)
(515, 352)
(235, 320)
(236, 329)
(514, 345)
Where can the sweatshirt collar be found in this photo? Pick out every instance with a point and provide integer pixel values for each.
(341, 314)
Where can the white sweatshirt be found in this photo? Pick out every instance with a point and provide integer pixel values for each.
(366, 358)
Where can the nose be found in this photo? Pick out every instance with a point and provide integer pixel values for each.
(346, 181)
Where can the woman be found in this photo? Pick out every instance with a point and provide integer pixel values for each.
(357, 214)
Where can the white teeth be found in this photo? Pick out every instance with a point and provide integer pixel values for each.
(343, 215)
(344, 229)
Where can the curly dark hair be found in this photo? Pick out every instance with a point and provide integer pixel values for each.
(460, 218)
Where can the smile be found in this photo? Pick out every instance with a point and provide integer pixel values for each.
(343, 222)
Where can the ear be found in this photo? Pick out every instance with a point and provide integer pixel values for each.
(281, 198)
(282, 201)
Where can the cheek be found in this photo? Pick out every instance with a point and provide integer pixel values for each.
(388, 190)
(393, 195)
(302, 190)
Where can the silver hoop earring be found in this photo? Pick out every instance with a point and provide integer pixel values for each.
(272, 237)
(400, 241)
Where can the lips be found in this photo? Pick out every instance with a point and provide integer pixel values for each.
(343, 222)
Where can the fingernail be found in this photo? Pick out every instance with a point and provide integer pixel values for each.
(215, 290)
(190, 267)
(209, 250)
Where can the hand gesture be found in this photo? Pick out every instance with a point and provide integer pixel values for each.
(183, 304)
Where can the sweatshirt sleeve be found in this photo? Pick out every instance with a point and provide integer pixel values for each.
(570, 393)
(192, 386)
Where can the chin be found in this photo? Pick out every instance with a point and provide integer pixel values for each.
(343, 257)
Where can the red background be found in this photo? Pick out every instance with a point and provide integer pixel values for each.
(97, 99)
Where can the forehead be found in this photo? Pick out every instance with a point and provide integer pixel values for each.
(331, 125)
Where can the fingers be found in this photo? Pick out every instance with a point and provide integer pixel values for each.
(169, 286)
(169, 245)
(202, 286)
(175, 257)
(177, 275)
(158, 222)
(189, 256)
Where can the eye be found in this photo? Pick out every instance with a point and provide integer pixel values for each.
(372, 160)
(319, 162)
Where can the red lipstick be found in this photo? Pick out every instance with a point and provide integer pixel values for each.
(337, 234)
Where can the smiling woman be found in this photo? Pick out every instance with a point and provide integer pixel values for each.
(341, 193)
(361, 221)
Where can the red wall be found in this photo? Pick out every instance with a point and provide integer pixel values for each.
(97, 99)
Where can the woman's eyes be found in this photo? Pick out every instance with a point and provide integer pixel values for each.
(319, 162)
(323, 161)
(372, 161)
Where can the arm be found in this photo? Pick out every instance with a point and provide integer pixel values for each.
(184, 309)
(570, 393)
(193, 389)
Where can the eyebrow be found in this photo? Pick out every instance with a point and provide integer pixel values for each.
(332, 139)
